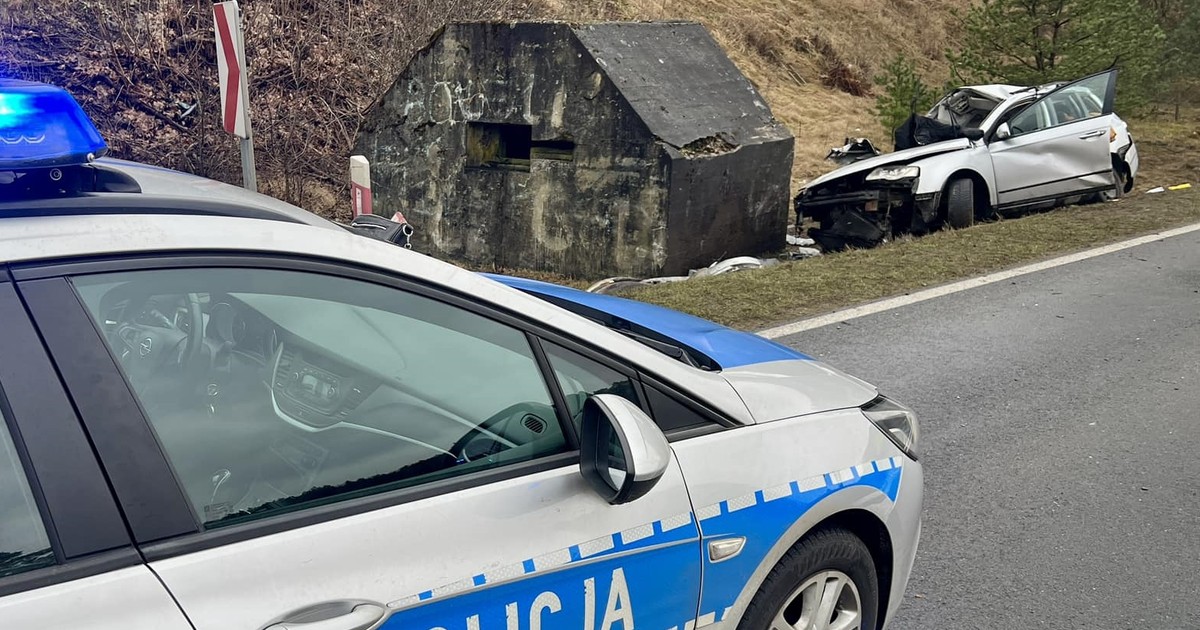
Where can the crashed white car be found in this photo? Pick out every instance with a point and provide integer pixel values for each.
(981, 150)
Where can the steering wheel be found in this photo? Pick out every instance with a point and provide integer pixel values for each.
(150, 345)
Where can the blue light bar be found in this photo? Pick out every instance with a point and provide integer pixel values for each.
(42, 125)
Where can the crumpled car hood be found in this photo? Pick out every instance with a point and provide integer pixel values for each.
(899, 157)
(785, 389)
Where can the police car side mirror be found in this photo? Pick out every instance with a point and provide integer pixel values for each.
(622, 452)
(1003, 131)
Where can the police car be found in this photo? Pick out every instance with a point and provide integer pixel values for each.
(221, 412)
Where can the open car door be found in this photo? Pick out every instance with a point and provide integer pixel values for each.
(1058, 146)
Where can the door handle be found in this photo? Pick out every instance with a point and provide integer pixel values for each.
(1093, 134)
(362, 617)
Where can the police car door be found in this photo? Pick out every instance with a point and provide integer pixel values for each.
(356, 453)
(66, 559)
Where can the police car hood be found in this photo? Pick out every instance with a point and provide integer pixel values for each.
(784, 389)
(773, 380)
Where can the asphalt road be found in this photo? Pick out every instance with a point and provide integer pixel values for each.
(1060, 435)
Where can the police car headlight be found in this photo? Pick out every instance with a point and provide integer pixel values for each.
(894, 173)
(896, 421)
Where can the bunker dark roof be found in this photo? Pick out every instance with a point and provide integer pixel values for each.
(679, 81)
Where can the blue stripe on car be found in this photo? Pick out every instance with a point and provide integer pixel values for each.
(727, 347)
(581, 580)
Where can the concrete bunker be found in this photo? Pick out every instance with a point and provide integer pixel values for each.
(590, 150)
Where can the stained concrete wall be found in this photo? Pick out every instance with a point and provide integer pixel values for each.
(676, 161)
(727, 205)
(598, 213)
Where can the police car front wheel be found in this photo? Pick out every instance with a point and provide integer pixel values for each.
(826, 582)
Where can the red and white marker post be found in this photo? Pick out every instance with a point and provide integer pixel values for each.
(235, 92)
(360, 185)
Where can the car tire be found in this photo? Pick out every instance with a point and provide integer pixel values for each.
(829, 560)
(960, 203)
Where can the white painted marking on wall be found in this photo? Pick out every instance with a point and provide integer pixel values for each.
(963, 285)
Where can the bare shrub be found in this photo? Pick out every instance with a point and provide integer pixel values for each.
(835, 70)
(146, 71)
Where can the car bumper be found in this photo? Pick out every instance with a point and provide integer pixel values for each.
(870, 198)
(904, 526)
(1131, 158)
(865, 217)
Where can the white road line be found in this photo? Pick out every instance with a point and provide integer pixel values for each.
(962, 285)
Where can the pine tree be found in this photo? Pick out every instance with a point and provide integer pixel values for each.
(1030, 42)
(903, 93)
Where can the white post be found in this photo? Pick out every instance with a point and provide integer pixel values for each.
(360, 185)
(235, 84)
(249, 172)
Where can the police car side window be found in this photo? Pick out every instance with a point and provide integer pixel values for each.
(24, 545)
(580, 377)
(272, 391)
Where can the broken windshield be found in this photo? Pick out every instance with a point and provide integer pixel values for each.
(963, 108)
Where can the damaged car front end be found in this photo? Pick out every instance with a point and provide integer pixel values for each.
(871, 200)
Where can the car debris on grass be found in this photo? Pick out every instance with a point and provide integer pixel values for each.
(789, 291)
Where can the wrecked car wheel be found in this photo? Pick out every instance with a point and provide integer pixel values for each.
(1121, 177)
(960, 203)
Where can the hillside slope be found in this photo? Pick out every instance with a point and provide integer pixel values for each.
(813, 60)
(146, 69)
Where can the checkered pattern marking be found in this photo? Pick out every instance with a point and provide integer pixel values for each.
(618, 541)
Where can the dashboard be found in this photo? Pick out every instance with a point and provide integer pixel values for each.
(316, 390)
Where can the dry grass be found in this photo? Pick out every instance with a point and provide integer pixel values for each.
(804, 55)
(543, 276)
(145, 70)
(788, 291)
(1169, 148)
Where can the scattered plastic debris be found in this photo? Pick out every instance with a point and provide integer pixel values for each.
(804, 252)
(729, 265)
(853, 150)
(801, 241)
(608, 285)
(1159, 189)
(739, 263)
